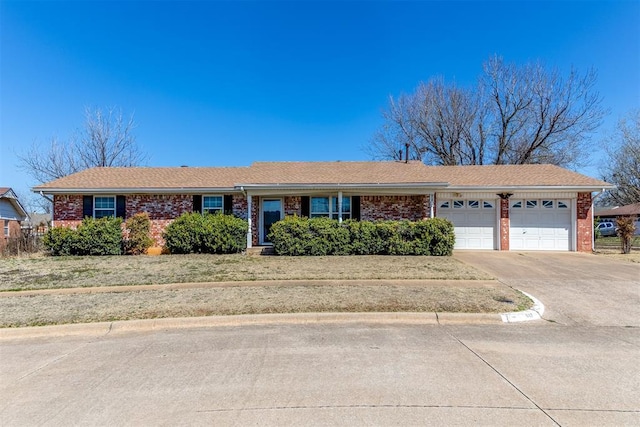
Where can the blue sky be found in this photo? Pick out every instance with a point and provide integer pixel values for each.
(228, 83)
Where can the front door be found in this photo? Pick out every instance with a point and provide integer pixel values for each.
(271, 212)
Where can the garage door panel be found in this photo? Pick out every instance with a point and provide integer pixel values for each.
(474, 228)
(540, 228)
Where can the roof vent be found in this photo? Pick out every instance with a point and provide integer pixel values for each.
(184, 166)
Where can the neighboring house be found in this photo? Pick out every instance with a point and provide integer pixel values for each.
(38, 223)
(611, 214)
(12, 214)
(508, 207)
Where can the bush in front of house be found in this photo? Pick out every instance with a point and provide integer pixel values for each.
(138, 234)
(92, 237)
(295, 236)
(208, 233)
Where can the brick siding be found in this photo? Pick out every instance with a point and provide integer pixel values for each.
(584, 231)
(504, 224)
(413, 208)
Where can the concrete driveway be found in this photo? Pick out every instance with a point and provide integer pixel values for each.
(576, 288)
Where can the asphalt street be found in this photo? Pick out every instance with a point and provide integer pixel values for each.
(579, 369)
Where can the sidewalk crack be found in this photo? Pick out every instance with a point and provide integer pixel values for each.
(503, 377)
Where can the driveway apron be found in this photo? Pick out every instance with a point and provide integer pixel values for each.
(576, 288)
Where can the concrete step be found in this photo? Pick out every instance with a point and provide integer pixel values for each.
(260, 250)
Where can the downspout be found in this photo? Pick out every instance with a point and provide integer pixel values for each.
(593, 208)
(339, 206)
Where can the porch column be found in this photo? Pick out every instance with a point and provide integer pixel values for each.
(431, 203)
(339, 206)
(249, 215)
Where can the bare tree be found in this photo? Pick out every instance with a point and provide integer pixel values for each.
(516, 115)
(436, 122)
(106, 140)
(622, 163)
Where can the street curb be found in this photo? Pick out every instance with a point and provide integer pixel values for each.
(534, 313)
(150, 325)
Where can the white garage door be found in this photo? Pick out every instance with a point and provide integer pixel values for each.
(474, 222)
(540, 224)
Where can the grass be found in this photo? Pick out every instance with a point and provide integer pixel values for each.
(44, 272)
(609, 247)
(79, 300)
(485, 297)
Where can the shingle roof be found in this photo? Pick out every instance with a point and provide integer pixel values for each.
(336, 173)
(633, 209)
(511, 175)
(307, 173)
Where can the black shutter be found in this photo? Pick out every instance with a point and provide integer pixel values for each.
(355, 207)
(304, 209)
(227, 204)
(87, 206)
(121, 207)
(197, 204)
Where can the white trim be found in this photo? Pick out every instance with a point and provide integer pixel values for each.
(222, 209)
(573, 242)
(332, 209)
(249, 220)
(104, 196)
(261, 217)
(467, 195)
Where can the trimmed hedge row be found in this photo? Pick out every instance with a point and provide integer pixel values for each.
(101, 237)
(213, 234)
(92, 237)
(296, 236)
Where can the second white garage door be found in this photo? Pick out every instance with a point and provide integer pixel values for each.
(474, 222)
(540, 225)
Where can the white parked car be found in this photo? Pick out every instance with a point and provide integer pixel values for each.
(606, 229)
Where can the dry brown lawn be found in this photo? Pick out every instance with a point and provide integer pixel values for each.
(44, 290)
(45, 272)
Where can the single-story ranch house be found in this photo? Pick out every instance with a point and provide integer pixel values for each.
(506, 207)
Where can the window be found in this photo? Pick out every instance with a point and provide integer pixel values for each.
(346, 207)
(6, 227)
(457, 204)
(517, 204)
(211, 204)
(444, 205)
(328, 207)
(548, 204)
(532, 204)
(487, 205)
(104, 207)
(563, 204)
(474, 204)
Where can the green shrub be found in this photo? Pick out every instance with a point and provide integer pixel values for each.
(214, 234)
(138, 234)
(92, 237)
(101, 236)
(296, 236)
(60, 241)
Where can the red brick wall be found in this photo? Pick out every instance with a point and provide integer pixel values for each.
(239, 207)
(255, 213)
(159, 207)
(413, 208)
(584, 232)
(504, 224)
(293, 205)
(67, 208)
